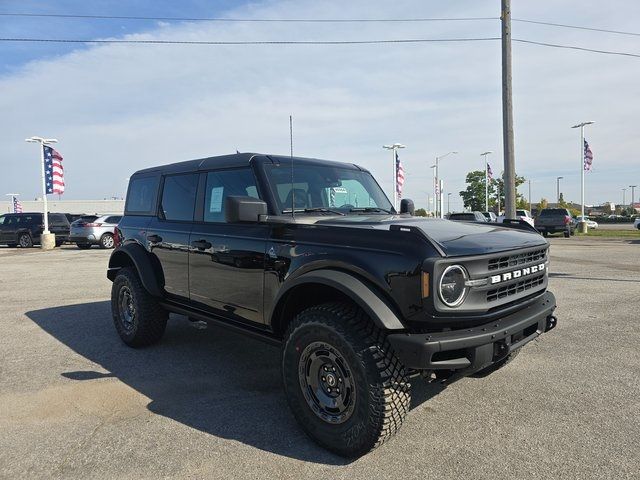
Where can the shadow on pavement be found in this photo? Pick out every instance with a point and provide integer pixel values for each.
(213, 380)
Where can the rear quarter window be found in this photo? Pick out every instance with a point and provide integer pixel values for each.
(141, 196)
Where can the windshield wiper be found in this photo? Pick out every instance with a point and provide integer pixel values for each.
(311, 210)
(370, 209)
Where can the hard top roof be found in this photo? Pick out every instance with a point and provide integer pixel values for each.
(239, 160)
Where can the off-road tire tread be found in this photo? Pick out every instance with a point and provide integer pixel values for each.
(390, 393)
(151, 317)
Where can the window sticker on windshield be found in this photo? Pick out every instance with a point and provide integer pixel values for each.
(339, 189)
(215, 205)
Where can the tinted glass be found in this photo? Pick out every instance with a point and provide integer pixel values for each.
(223, 183)
(325, 186)
(141, 196)
(548, 212)
(113, 219)
(29, 219)
(2, 219)
(57, 218)
(462, 216)
(179, 197)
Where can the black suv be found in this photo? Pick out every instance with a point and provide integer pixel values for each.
(24, 229)
(311, 255)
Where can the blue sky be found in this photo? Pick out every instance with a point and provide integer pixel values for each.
(119, 108)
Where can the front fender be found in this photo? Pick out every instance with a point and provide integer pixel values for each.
(372, 302)
(133, 254)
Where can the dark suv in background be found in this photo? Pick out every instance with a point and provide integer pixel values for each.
(311, 255)
(24, 229)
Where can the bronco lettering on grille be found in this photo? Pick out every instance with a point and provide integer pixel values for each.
(504, 277)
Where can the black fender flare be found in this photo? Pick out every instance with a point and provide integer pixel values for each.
(372, 302)
(133, 253)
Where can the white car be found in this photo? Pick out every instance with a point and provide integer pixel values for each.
(636, 223)
(590, 223)
(525, 215)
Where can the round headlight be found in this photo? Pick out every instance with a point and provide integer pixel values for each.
(452, 285)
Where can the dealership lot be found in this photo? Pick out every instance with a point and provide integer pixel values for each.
(75, 402)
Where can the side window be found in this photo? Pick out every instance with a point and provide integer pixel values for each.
(113, 219)
(141, 196)
(179, 197)
(223, 183)
(2, 219)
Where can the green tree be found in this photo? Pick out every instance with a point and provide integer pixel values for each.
(473, 196)
(420, 212)
(542, 204)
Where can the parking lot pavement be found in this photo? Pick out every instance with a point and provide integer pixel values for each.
(615, 226)
(75, 402)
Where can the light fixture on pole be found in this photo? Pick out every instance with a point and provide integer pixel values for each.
(486, 179)
(439, 184)
(558, 189)
(45, 242)
(633, 193)
(583, 224)
(394, 148)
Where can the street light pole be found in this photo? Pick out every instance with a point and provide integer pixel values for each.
(529, 196)
(558, 189)
(394, 184)
(439, 185)
(448, 202)
(633, 193)
(583, 224)
(486, 180)
(435, 189)
(624, 197)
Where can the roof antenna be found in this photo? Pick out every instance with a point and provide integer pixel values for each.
(293, 193)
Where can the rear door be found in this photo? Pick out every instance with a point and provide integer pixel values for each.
(168, 232)
(226, 261)
(5, 220)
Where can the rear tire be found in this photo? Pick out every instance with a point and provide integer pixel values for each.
(137, 315)
(567, 234)
(545, 233)
(25, 240)
(83, 246)
(106, 241)
(361, 399)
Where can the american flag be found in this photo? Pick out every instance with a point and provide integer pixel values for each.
(588, 156)
(53, 171)
(489, 172)
(17, 206)
(399, 176)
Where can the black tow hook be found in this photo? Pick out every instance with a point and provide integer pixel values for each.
(552, 321)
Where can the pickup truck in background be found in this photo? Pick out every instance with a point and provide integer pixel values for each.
(554, 220)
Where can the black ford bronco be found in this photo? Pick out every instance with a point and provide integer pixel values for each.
(311, 255)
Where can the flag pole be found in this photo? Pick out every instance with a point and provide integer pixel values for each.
(44, 190)
(583, 223)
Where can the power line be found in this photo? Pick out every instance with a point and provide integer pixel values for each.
(224, 19)
(577, 27)
(311, 42)
(573, 47)
(250, 42)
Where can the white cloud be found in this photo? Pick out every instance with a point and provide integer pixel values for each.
(118, 108)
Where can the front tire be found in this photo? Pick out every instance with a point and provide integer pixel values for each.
(344, 385)
(137, 315)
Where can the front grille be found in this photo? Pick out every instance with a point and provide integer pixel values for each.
(518, 259)
(514, 288)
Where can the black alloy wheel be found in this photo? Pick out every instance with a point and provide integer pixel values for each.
(25, 240)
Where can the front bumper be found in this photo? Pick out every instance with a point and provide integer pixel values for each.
(473, 349)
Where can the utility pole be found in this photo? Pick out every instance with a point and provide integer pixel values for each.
(633, 193)
(507, 115)
(529, 196)
(435, 190)
(449, 202)
(486, 180)
(624, 197)
(558, 189)
(439, 184)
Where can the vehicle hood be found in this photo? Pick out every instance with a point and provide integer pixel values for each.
(453, 238)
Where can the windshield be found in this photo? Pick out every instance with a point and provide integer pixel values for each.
(326, 189)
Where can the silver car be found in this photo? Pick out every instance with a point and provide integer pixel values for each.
(94, 230)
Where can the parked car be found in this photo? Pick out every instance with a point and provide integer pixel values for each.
(590, 223)
(360, 298)
(490, 217)
(553, 220)
(468, 217)
(24, 229)
(636, 223)
(526, 216)
(94, 230)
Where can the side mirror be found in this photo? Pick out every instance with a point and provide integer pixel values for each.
(243, 209)
(407, 206)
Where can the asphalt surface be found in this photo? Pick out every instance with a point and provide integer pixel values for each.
(76, 403)
(616, 226)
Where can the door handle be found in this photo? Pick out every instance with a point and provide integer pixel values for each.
(201, 244)
(154, 238)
